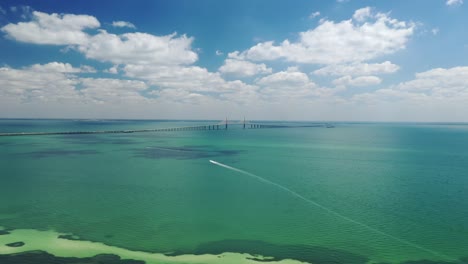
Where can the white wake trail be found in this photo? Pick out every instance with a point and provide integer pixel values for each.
(330, 211)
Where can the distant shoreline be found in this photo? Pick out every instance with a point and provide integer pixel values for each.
(255, 120)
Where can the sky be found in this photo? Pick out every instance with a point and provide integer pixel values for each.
(336, 60)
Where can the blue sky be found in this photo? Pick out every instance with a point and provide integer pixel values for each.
(343, 60)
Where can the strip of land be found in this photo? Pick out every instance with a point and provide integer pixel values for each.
(30, 240)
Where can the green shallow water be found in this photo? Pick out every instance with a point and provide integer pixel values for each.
(157, 192)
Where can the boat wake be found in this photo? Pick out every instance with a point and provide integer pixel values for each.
(332, 212)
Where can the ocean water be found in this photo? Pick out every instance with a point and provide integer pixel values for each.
(355, 193)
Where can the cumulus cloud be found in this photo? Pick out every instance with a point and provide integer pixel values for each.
(61, 67)
(366, 36)
(358, 81)
(160, 70)
(59, 82)
(358, 69)
(87, 69)
(435, 95)
(243, 68)
(122, 24)
(192, 85)
(444, 87)
(314, 15)
(180, 96)
(155, 71)
(286, 85)
(441, 82)
(53, 29)
(136, 48)
(140, 48)
(113, 70)
(101, 90)
(189, 78)
(54, 67)
(362, 14)
(454, 2)
(291, 77)
(37, 84)
(165, 62)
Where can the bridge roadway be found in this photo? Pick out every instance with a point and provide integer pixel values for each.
(220, 126)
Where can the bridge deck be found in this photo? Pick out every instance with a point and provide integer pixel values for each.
(222, 126)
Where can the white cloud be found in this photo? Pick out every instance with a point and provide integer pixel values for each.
(244, 95)
(362, 14)
(101, 90)
(454, 2)
(54, 67)
(193, 84)
(87, 69)
(134, 48)
(358, 69)
(33, 92)
(123, 24)
(235, 55)
(314, 15)
(2, 11)
(162, 66)
(61, 67)
(53, 29)
(140, 48)
(219, 53)
(342, 42)
(113, 70)
(243, 68)
(434, 95)
(58, 82)
(358, 81)
(291, 77)
(439, 81)
(435, 31)
(394, 101)
(180, 96)
(115, 84)
(192, 78)
(287, 85)
(36, 83)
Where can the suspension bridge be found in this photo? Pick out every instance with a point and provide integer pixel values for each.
(222, 125)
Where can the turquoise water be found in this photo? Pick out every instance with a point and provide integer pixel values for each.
(158, 192)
